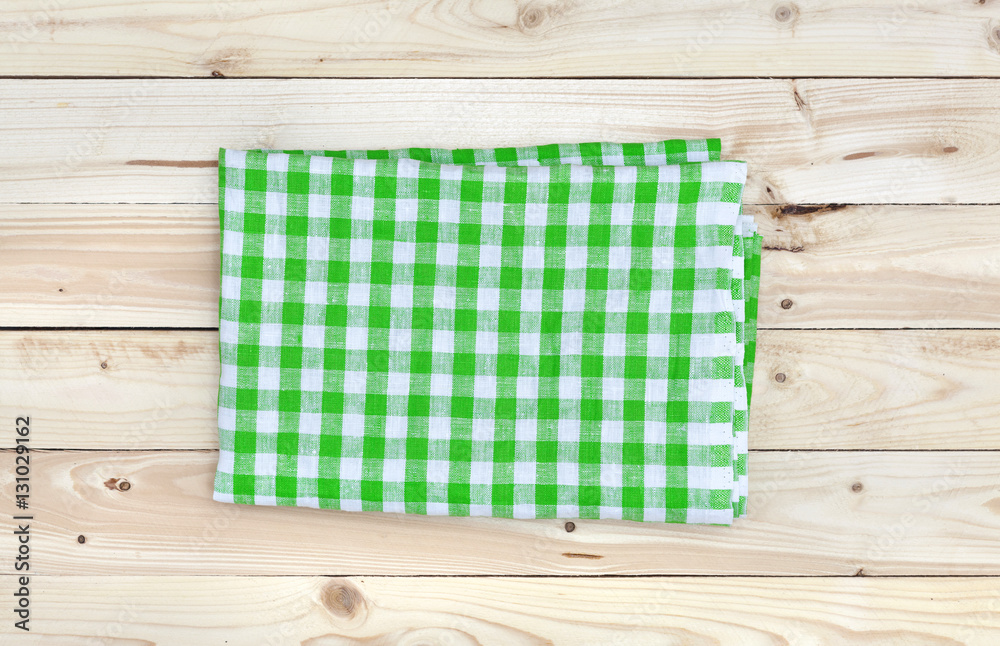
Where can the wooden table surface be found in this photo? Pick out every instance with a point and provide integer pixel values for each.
(871, 131)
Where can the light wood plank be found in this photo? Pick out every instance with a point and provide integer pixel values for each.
(516, 611)
(867, 389)
(109, 265)
(806, 140)
(843, 389)
(112, 389)
(856, 266)
(841, 513)
(462, 38)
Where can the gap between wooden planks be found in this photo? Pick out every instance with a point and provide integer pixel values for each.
(822, 513)
(875, 266)
(840, 389)
(322, 611)
(461, 38)
(807, 141)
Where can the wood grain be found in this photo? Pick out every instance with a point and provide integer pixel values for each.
(324, 611)
(463, 38)
(843, 389)
(841, 513)
(807, 141)
(854, 266)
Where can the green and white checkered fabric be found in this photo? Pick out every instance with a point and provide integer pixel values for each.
(558, 331)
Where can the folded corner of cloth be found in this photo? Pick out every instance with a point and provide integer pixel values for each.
(560, 331)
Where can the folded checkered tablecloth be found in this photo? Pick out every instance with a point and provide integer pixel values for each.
(556, 331)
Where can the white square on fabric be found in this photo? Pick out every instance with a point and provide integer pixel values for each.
(437, 471)
(620, 257)
(535, 214)
(617, 300)
(481, 473)
(307, 466)
(277, 162)
(270, 334)
(404, 253)
(574, 300)
(408, 168)
(353, 425)
(311, 380)
(483, 429)
(398, 384)
(407, 209)
(438, 428)
(356, 338)
(274, 245)
(437, 509)
(445, 297)
(576, 257)
(227, 375)
(227, 462)
(272, 291)
(230, 287)
(489, 255)
(401, 296)
(527, 388)
(441, 385)
(484, 386)
(364, 167)
(447, 254)
(232, 243)
(531, 300)
(612, 431)
(319, 205)
(487, 343)
(276, 204)
(567, 474)
(361, 250)
(492, 214)
(614, 345)
(358, 295)
(568, 430)
(269, 378)
(313, 336)
(235, 158)
(362, 208)
(570, 386)
(400, 339)
(524, 472)
(310, 423)
(488, 299)
(267, 421)
(526, 430)
(530, 343)
(395, 427)
(394, 470)
(350, 468)
(449, 210)
(315, 292)
(320, 165)
(443, 341)
(355, 382)
(317, 248)
(227, 418)
(265, 464)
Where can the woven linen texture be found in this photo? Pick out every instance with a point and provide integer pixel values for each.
(559, 331)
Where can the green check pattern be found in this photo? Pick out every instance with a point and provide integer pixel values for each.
(557, 331)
